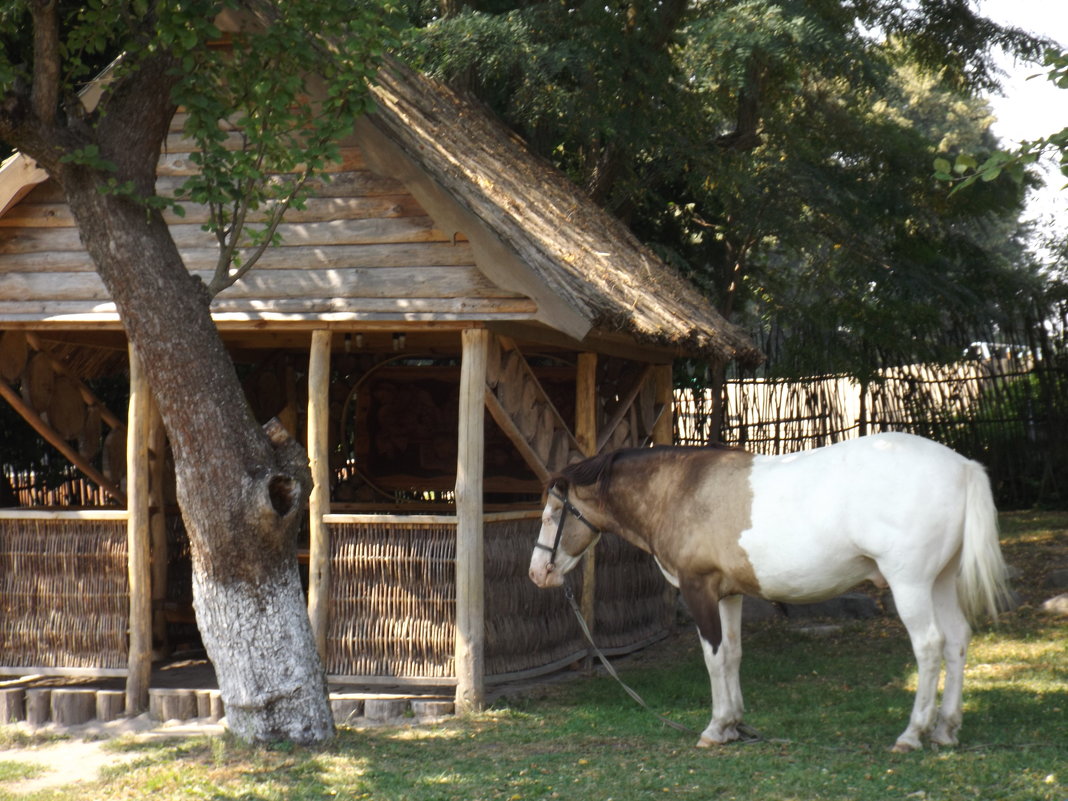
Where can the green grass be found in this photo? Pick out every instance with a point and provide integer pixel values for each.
(829, 709)
(11, 770)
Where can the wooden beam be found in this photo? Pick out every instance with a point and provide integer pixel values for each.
(664, 428)
(586, 434)
(137, 540)
(470, 564)
(55, 440)
(319, 502)
(157, 464)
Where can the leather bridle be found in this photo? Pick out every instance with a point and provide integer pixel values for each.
(568, 509)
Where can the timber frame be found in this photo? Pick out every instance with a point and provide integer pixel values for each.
(441, 247)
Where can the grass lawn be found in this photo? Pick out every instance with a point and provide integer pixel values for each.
(829, 708)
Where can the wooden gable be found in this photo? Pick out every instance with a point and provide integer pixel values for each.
(363, 249)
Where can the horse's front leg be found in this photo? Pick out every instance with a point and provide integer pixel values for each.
(727, 706)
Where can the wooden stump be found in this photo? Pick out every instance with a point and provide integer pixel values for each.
(164, 705)
(384, 708)
(346, 708)
(110, 704)
(12, 705)
(38, 381)
(38, 707)
(433, 709)
(218, 711)
(66, 410)
(73, 707)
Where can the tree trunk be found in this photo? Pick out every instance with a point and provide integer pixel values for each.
(241, 492)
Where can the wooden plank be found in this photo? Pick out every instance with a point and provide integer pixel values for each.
(360, 282)
(46, 431)
(386, 519)
(49, 514)
(58, 214)
(286, 256)
(319, 501)
(310, 313)
(180, 163)
(138, 539)
(373, 231)
(470, 559)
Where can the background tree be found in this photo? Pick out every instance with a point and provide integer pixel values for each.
(775, 152)
(240, 489)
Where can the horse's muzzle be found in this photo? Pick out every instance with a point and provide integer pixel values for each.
(545, 577)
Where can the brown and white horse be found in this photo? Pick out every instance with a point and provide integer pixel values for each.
(895, 509)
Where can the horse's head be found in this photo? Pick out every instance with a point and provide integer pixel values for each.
(566, 533)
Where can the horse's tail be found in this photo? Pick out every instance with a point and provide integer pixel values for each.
(983, 586)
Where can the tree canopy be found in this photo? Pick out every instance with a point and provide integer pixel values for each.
(778, 153)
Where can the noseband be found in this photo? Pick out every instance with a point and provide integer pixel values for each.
(569, 508)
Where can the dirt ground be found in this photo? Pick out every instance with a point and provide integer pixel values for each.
(77, 754)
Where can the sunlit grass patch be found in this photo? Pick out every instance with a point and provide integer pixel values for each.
(13, 770)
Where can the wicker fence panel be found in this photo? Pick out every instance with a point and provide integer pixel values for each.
(64, 594)
(634, 604)
(526, 627)
(393, 600)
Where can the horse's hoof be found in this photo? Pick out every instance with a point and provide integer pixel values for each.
(901, 747)
(944, 738)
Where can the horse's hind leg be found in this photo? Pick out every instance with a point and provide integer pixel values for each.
(727, 706)
(957, 633)
(917, 613)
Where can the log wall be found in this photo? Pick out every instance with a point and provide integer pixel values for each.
(363, 248)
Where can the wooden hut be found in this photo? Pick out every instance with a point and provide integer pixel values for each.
(447, 322)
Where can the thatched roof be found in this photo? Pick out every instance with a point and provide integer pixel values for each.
(587, 257)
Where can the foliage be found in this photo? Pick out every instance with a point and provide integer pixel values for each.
(966, 168)
(774, 151)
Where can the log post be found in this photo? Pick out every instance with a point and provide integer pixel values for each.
(586, 434)
(470, 567)
(664, 428)
(138, 539)
(319, 501)
(157, 470)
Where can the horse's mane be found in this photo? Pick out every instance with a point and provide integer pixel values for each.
(598, 469)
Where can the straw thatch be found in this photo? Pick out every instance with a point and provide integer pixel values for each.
(587, 258)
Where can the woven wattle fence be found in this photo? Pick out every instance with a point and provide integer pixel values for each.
(64, 594)
(526, 627)
(393, 600)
